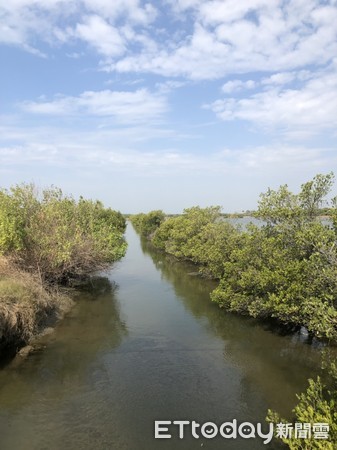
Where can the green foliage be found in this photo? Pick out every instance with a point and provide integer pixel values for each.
(213, 245)
(56, 236)
(316, 405)
(146, 224)
(286, 269)
(286, 277)
(313, 194)
(16, 207)
(199, 235)
(284, 207)
(174, 234)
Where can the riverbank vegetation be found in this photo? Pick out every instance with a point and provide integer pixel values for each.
(284, 268)
(147, 224)
(48, 239)
(317, 405)
(26, 306)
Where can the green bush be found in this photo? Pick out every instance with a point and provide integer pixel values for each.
(147, 224)
(317, 404)
(199, 235)
(56, 236)
(286, 269)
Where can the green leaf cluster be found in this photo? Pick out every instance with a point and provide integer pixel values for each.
(146, 224)
(317, 404)
(287, 276)
(199, 235)
(287, 268)
(56, 236)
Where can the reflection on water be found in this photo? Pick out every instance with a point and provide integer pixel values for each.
(43, 397)
(280, 364)
(155, 348)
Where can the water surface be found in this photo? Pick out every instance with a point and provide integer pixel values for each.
(147, 344)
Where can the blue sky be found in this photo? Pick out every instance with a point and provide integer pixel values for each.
(168, 104)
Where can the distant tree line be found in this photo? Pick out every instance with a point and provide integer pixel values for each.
(147, 224)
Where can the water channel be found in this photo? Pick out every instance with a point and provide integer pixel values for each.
(147, 344)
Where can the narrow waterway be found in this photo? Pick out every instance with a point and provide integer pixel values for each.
(147, 344)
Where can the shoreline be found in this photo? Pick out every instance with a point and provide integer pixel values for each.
(27, 308)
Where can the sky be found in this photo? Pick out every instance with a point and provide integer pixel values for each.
(168, 104)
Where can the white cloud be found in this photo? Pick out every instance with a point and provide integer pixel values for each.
(103, 37)
(95, 149)
(306, 110)
(281, 158)
(26, 23)
(133, 10)
(217, 12)
(169, 85)
(237, 85)
(242, 37)
(281, 78)
(150, 161)
(144, 145)
(183, 5)
(202, 57)
(220, 37)
(124, 106)
(21, 20)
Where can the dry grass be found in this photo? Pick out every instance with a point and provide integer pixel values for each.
(25, 305)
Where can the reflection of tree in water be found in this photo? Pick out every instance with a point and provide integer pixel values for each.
(65, 357)
(190, 287)
(271, 358)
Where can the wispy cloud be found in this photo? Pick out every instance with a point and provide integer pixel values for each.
(58, 22)
(117, 150)
(237, 85)
(124, 106)
(307, 109)
(105, 38)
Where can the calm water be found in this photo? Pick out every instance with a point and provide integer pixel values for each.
(150, 347)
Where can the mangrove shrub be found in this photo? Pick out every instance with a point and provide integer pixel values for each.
(57, 237)
(199, 235)
(287, 268)
(146, 224)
